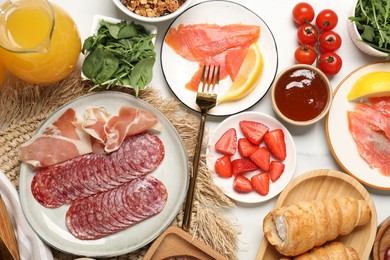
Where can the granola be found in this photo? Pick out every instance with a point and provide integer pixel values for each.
(152, 8)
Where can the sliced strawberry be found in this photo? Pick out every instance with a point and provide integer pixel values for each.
(253, 130)
(242, 184)
(242, 165)
(223, 166)
(260, 183)
(274, 140)
(276, 169)
(227, 144)
(245, 147)
(261, 158)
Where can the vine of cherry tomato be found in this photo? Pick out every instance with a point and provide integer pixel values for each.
(330, 41)
(318, 41)
(305, 55)
(307, 34)
(326, 20)
(303, 12)
(330, 63)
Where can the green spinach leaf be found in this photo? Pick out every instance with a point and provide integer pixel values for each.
(119, 54)
(142, 73)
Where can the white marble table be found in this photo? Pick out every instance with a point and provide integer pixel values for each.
(311, 144)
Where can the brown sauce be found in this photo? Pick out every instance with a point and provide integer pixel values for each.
(301, 94)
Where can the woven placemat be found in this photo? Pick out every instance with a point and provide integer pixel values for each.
(24, 106)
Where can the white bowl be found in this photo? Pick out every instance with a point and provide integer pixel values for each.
(151, 29)
(357, 39)
(280, 82)
(133, 15)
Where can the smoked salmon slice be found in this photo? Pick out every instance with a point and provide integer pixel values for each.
(213, 44)
(369, 125)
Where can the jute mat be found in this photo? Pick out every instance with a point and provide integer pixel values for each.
(24, 106)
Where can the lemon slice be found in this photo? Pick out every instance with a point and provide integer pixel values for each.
(247, 76)
(373, 84)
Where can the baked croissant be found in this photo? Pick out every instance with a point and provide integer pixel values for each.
(295, 229)
(331, 251)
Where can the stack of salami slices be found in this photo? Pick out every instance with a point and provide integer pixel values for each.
(108, 192)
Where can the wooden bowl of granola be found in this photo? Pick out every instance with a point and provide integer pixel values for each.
(152, 11)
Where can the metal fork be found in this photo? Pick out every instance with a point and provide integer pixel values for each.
(206, 99)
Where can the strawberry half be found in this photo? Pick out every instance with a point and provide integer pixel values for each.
(227, 144)
(253, 130)
(223, 167)
(242, 165)
(246, 148)
(274, 140)
(260, 183)
(261, 158)
(242, 184)
(276, 169)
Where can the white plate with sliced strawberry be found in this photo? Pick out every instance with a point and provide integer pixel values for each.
(253, 157)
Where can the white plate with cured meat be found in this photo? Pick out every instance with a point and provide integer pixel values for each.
(178, 69)
(49, 223)
(340, 139)
(227, 183)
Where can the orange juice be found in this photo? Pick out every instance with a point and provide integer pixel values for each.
(45, 49)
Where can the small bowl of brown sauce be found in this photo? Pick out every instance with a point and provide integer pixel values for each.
(301, 95)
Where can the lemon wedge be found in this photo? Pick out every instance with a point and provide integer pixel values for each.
(247, 76)
(373, 84)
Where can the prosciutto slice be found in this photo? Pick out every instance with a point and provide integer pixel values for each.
(129, 121)
(98, 132)
(95, 119)
(61, 141)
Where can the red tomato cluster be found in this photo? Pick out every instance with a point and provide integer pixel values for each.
(318, 42)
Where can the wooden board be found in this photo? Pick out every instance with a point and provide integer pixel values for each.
(323, 184)
(382, 240)
(8, 244)
(176, 242)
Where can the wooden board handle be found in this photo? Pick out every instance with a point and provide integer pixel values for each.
(8, 244)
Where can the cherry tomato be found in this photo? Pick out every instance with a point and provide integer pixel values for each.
(307, 34)
(305, 55)
(326, 20)
(330, 41)
(330, 63)
(302, 13)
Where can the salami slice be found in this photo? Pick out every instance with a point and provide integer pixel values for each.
(95, 173)
(93, 218)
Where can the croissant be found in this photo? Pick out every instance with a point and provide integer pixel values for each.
(295, 229)
(332, 251)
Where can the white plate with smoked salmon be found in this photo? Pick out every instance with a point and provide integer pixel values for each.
(358, 131)
(99, 193)
(252, 156)
(226, 34)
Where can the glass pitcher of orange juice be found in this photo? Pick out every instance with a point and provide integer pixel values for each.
(39, 41)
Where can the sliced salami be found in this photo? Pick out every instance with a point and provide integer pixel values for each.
(93, 217)
(95, 173)
(141, 155)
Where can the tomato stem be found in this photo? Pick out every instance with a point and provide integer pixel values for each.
(319, 31)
